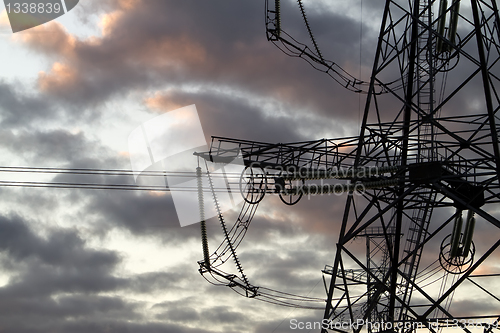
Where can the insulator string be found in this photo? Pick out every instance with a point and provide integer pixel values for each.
(203, 226)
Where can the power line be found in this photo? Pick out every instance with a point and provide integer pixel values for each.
(104, 172)
(231, 178)
(94, 186)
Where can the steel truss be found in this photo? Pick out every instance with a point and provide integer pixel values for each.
(426, 155)
(447, 157)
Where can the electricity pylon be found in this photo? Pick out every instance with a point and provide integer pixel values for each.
(447, 154)
(424, 167)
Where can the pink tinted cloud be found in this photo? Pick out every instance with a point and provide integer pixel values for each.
(144, 44)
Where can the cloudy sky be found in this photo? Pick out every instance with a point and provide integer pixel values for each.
(71, 92)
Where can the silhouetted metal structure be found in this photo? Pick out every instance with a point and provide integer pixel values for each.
(425, 165)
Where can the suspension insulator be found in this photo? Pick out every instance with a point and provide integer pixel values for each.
(468, 233)
(226, 233)
(454, 21)
(456, 235)
(313, 40)
(201, 205)
(441, 24)
(277, 8)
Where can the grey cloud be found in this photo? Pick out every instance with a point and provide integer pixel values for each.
(180, 314)
(478, 307)
(66, 306)
(141, 213)
(111, 326)
(20, 107)
(41, 147)
(230, 52)
(22, 243)
(223, 315)
(242, 120)
(100, 325)
(54, 278)
(294, 271)
(214, 317)
(59, 263)
(317, 216)
(56, 281)
(155, 281)
(62, 148)
(290, 323)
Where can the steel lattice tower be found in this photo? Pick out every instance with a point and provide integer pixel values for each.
(445, 159)
(426, 165)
